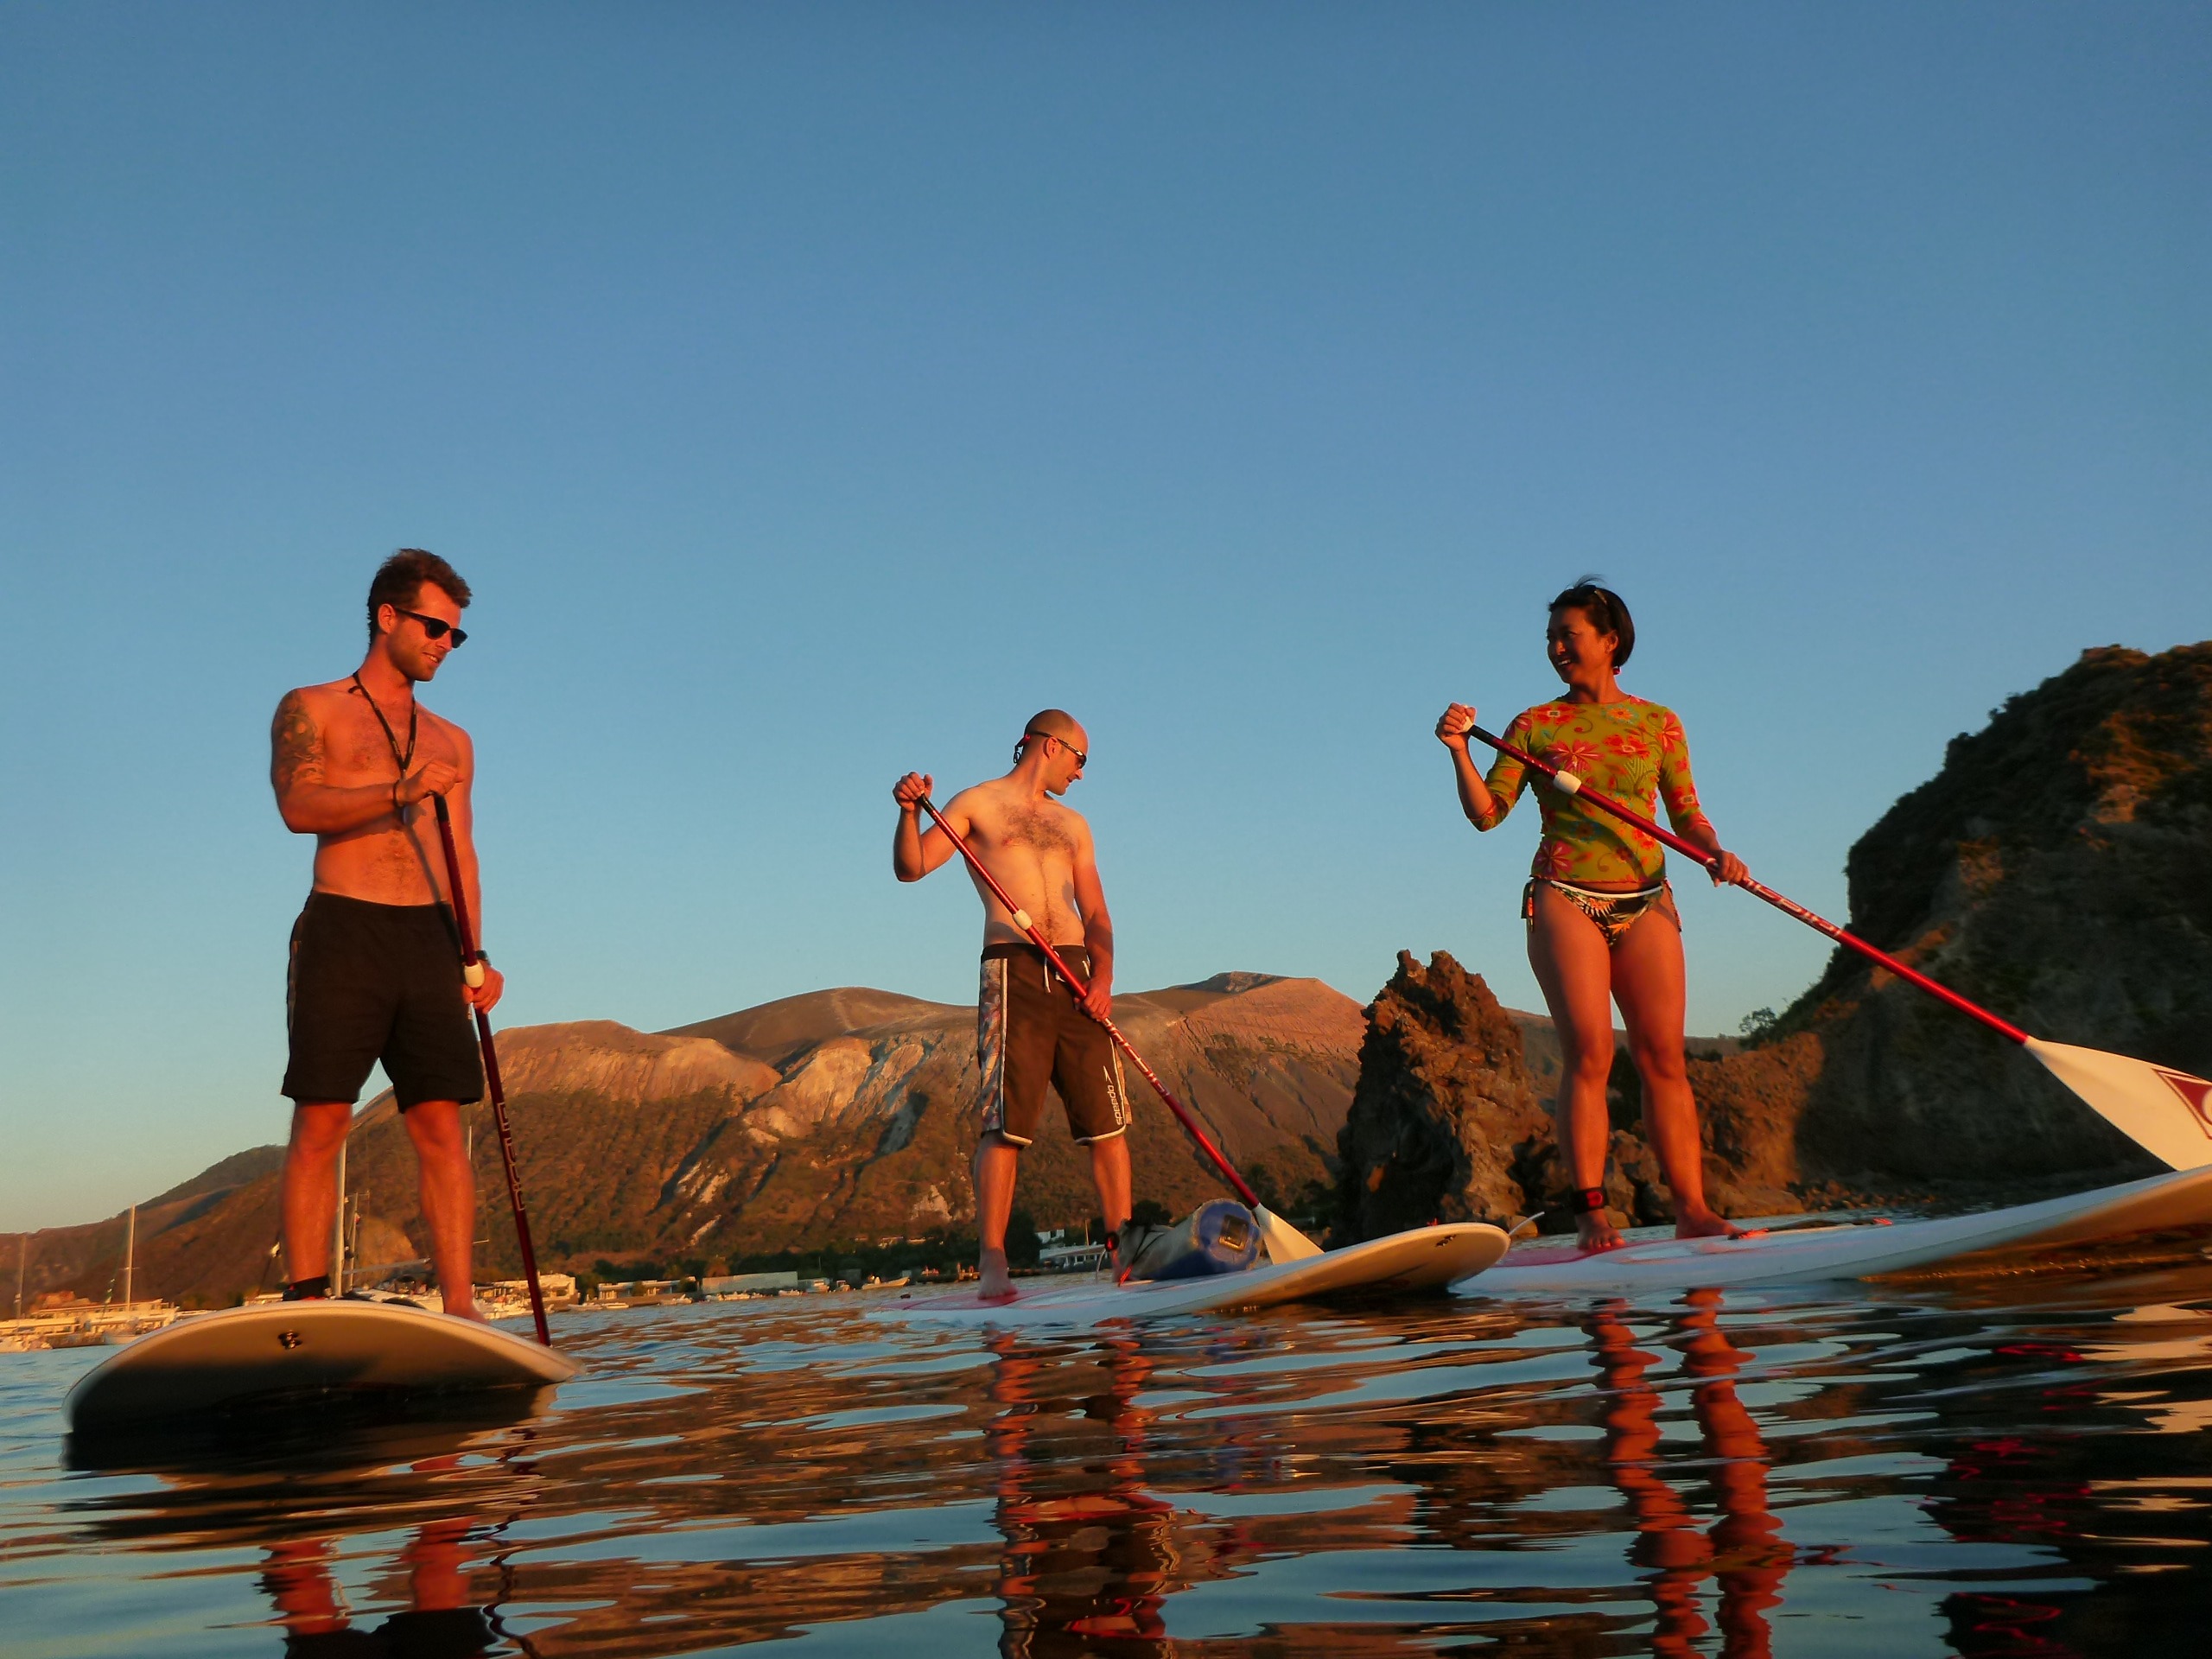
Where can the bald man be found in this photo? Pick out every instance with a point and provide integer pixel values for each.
(1030, 1028)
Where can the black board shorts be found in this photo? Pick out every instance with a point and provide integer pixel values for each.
(1030, 1031)
(371, 983)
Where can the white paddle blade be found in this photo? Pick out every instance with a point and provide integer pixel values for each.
(1284, 1242)
(2167, 1113)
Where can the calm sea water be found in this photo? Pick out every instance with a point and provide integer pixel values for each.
(2016, 1467)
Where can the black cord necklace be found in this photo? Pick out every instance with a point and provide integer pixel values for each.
(402, 758)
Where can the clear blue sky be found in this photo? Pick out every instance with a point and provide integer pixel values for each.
(811, 392)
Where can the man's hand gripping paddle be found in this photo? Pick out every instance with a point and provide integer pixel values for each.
(1284, 1241)
(2167, 1113)
(471, 973)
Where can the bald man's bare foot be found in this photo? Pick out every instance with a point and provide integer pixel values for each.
(1703, 1223)
(470, 1309)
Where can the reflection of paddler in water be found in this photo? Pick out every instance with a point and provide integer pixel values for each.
(1601, 920)
(1031, 1029)
(1061, 1589)
(458, 1484)
(1742, 1552)
(441, 1621)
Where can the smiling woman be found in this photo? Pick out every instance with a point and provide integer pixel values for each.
(1602, 923)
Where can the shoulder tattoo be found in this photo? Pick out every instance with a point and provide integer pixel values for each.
(294, 744)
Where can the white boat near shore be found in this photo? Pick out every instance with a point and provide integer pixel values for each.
(84, 1325)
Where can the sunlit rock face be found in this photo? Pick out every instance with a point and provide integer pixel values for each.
(2058, 871)
(870, 1130)
(1448, 1123)
(840, 1115)
(601, 1057)
(1444, 1124)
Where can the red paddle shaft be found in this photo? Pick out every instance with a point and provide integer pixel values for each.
(1228, 1174)
(1576, 786)
(469, 959)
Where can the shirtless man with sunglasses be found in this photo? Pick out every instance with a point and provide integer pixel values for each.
(1031, 1029)
(376, 965)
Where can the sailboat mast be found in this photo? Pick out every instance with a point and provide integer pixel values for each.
(130, 1254)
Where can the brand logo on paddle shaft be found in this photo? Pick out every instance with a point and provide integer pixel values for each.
(2195, 1094)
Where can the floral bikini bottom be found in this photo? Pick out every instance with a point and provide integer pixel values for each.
(1613, 912)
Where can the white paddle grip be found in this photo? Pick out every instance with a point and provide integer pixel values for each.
(1566, 783)
(1021, 920)
(471, 974)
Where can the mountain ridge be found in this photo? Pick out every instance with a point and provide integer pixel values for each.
(837, 1115)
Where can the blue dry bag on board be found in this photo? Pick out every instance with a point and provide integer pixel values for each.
(1217, 1237)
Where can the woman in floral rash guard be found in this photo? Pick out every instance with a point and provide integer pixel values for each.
(1602, 923)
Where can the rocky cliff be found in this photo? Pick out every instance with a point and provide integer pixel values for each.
(2057, 870)
(1451, 1119)
(820, 1119)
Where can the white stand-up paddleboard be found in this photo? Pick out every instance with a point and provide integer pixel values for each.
(304, 1351)
(1429, 1258)
(1852, 1250)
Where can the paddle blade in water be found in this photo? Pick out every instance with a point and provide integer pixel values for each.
(2167, 1113)
(1283, 1242)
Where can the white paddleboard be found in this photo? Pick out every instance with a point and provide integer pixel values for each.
(303, 1350)
(1851, 1251)
(1429, 1258)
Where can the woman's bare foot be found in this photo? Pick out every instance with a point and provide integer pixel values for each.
(1595, 1233)
(1703, 1223)
(471, 1309)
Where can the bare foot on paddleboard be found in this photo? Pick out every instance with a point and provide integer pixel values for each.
(471, 1309)
(994, 1288)
(1703, 1223)
(1594, 1234)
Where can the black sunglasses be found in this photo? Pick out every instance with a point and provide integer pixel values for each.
(437, 626)
(1081, 758)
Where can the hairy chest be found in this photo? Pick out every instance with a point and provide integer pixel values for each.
(1044, 833)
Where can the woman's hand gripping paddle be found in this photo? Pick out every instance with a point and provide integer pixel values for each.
(1284, 1241)
(472, 972)
(2167, 1113)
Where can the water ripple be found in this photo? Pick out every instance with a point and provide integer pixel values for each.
(2012, 1467)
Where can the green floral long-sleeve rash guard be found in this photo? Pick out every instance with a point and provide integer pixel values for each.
(1629, 750)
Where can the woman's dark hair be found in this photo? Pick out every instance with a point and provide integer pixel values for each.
(1606, 611)
(399, 581)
